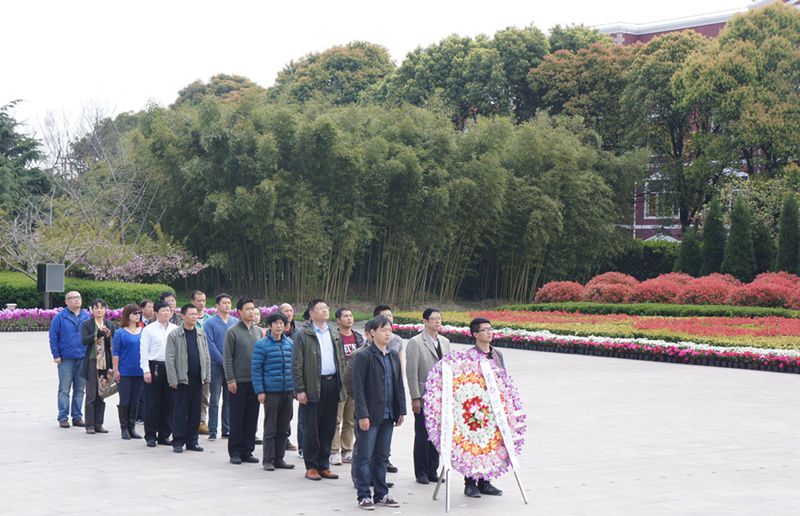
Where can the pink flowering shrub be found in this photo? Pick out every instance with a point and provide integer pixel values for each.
(606, 292)
(761, 294)
(727, 278)
(681, 278)
(613, 278)
(559, 292)
(656, 290)
(713, 289)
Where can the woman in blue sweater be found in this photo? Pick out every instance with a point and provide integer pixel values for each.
(272, 382)
(127, 371)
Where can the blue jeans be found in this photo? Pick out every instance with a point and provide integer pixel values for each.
(371, 457)
(69, 376)
(218, 383)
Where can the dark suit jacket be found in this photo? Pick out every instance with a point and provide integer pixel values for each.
(88, 333)
(369, 387)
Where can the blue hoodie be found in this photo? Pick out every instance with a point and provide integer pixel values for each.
(65, 334)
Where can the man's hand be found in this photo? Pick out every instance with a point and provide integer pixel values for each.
(363, 424)
(174, 386)
(232, 387)
(262, 397)
(148, 378)
(399, 421)
(57, 361)
(416, 406)
(302, 398)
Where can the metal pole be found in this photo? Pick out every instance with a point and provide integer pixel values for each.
(521, 489)
(447, 491)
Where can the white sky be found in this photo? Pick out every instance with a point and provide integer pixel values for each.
(61, 56)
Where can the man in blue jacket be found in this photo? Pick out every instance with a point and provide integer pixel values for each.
(68, 351)
(215, 328)
(272, 383)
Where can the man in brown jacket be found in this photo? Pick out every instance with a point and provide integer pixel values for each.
(422, 352)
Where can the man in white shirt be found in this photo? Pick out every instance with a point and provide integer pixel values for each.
(152, 353)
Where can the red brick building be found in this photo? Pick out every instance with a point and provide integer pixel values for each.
(654, 216)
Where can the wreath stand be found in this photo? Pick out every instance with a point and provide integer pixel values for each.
(446, 442)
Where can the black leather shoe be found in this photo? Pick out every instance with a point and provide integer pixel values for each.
(165, 442)
(423, 480)
(194, 447)
(236, 460)
(259, 441)
(250, 459)
(151, 444)
(488, 489)
(100, 430)
(391, 468)
(78, 422)
(282, 464)
(433, 478)
(177, 449)
(268, 466)
(471, 490)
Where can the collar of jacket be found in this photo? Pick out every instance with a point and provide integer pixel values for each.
(180, 330)
(309, 328)
(375, 349)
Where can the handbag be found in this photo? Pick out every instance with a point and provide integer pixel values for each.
(106, 386)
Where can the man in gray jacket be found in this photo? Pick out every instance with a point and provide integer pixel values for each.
(422, 353)
(188, 369)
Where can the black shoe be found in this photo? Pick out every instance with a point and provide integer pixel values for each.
(132, 431)
(78, 422)
(282, 464)
(224, 435)
(250, 459)
(433, 478)
(212, 437)
(471, 490)
(89, 430)
(150, 444)
(100, 430)
(178, 449)
(423, 480)
(268, 466)
(194, 447)
(235, 460)
(488, 489)
(165, 442)
(391, 468)
(63, 423)
(259, 441)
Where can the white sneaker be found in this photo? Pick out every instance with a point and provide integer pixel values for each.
(336, 459)
(348, 458)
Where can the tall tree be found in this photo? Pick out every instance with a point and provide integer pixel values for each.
(658, 120)
(763, 247)
(789, 236)
(575, 37)
(740, 258)
(713, 239)
(21, 179)
(690, 254)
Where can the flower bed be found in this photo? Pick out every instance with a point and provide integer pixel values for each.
(761, 332)
(38, 319)
(785, 361)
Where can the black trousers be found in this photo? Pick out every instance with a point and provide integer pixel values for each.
(157, 404)
(244, 420)
(186, 401)
(319, 425)
(94, 410)
(426, 458)
(277, 420)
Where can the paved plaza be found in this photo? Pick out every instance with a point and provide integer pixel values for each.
(605, 437)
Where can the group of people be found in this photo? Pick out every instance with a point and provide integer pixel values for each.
(350, 387)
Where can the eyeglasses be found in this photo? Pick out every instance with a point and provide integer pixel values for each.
(486, 330)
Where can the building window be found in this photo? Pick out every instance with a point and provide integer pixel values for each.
(658, 203)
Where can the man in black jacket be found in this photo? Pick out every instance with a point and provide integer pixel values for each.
(380, 405)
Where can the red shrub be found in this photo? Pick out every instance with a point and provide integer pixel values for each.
(656, 290)
(606, 292)
(680, 278)
(713, 289)
(793, 301)
(727, 278)
(559, 292)
(778, 278)
(761, 294)
(613, 278)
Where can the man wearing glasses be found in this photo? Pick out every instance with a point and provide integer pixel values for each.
(68, 351)
(481, 330)
(422, 353)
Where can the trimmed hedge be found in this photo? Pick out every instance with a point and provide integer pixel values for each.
(655, 309)
(17, 288)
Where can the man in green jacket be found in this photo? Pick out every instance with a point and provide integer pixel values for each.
(317, 368)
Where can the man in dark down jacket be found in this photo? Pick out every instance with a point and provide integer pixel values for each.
(380, 400)
(272, 383)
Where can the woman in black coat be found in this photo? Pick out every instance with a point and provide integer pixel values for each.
(96, 335)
